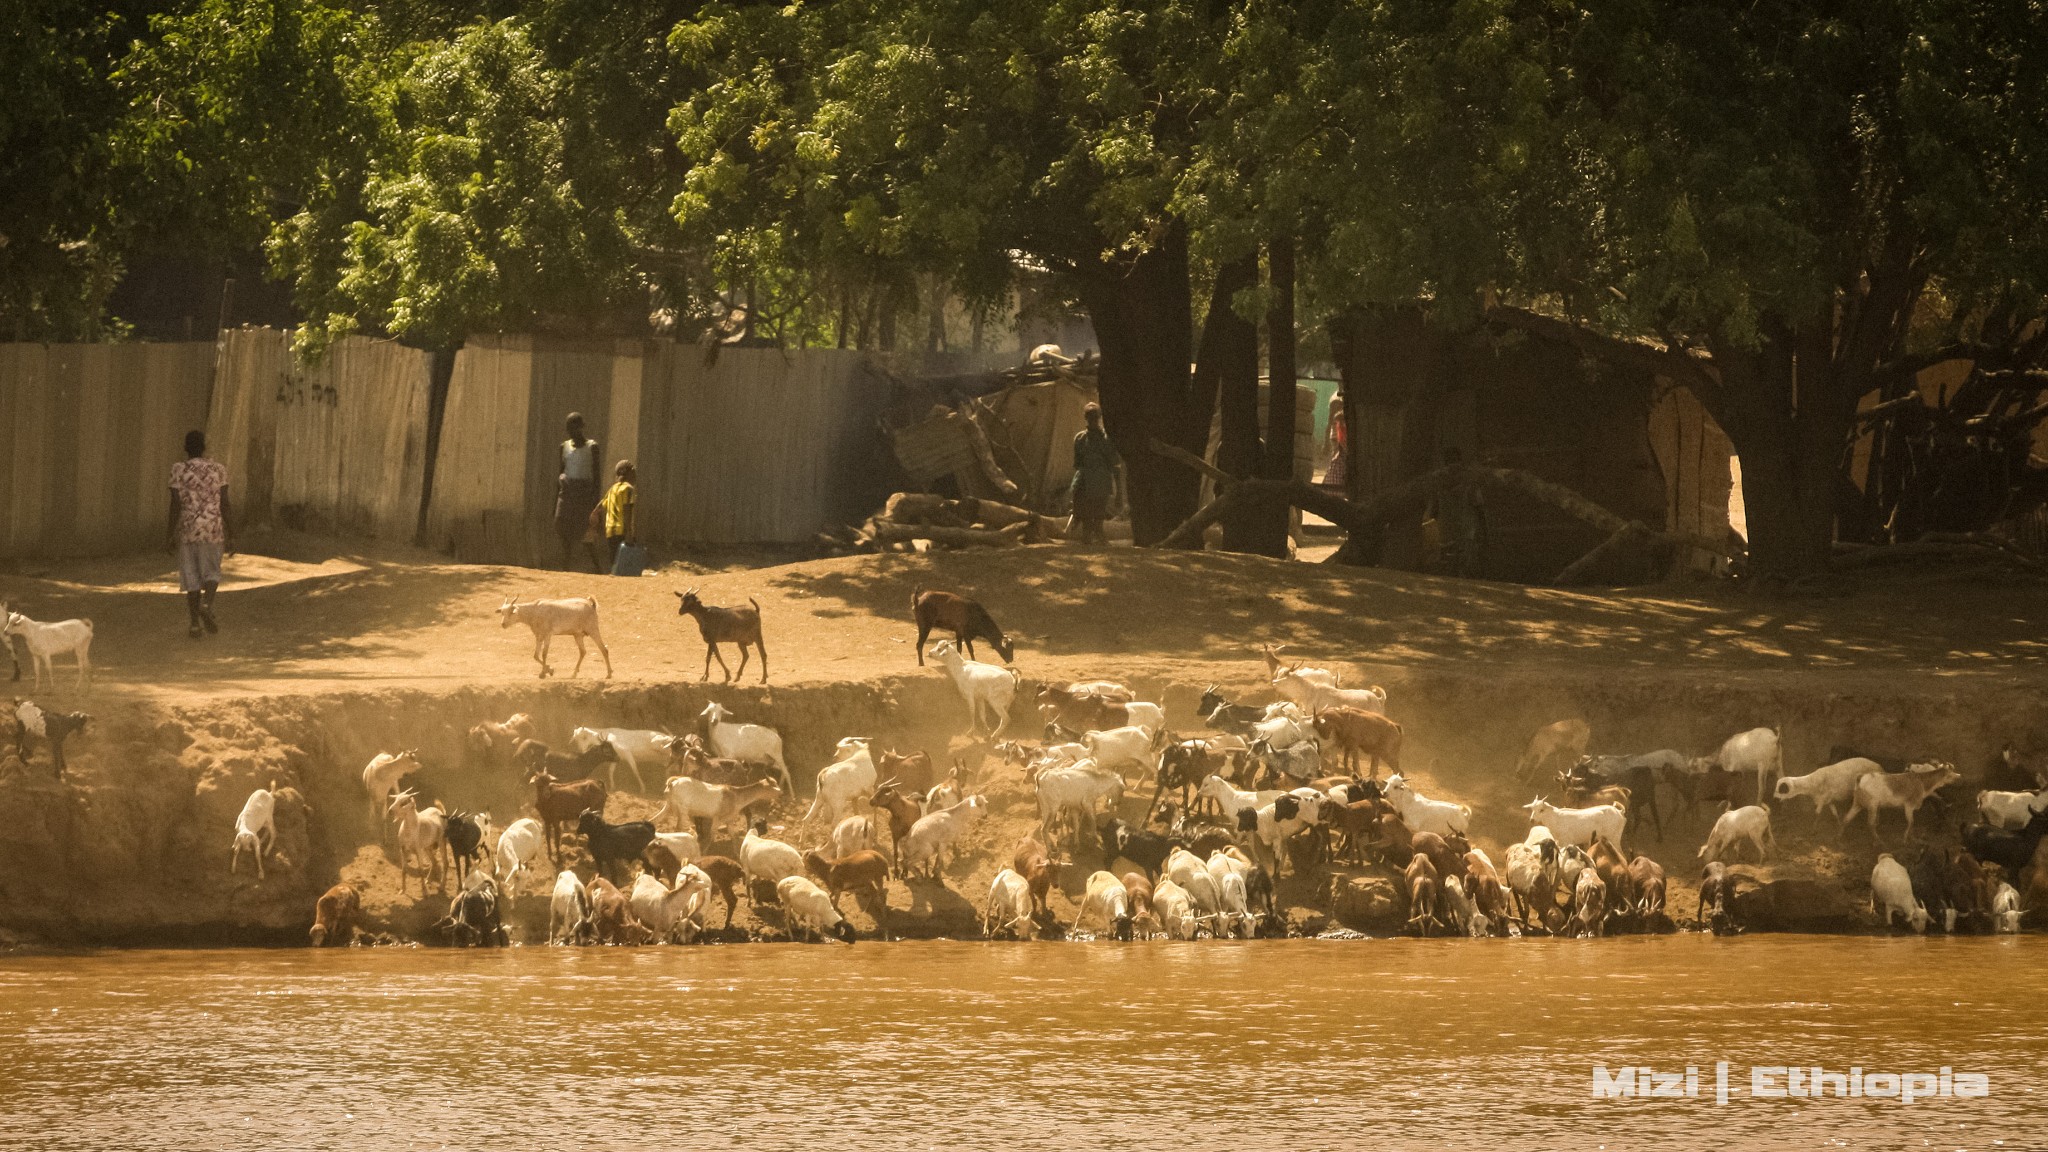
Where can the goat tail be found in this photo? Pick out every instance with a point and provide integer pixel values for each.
(916, 590)
(756, 604)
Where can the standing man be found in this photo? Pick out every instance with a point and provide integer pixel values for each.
(1097, 478)
(620, 505)
(198, 530)
(576, 496)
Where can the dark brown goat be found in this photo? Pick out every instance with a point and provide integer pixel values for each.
(725, 872)
(563, 804)
(903, 810)
(740, 626)
(966, 619)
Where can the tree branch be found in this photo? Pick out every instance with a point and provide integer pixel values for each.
(1678, 364)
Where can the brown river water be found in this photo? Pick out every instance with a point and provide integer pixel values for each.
(1396, 1044)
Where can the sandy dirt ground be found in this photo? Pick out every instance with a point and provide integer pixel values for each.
(329, 653)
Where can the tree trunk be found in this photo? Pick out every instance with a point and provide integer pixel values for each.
(1230, 357)
(1140, 310)
(1269, 534)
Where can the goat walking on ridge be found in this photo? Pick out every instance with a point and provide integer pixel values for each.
(736, 626)
(575, 617)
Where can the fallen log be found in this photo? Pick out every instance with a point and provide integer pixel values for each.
(890, 532)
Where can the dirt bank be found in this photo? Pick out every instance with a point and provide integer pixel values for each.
(133, 845)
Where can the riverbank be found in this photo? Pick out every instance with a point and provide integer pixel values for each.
(315, 673)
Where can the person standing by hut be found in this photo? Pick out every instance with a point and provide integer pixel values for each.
(621, 506)
(198, 529)
(1097, 479)
(576, 497)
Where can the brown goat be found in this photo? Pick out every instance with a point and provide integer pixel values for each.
(1446, 856)
(334, 916)
(911, 771)
(1034, 864)
(563, 804)
(862, 873)
(1354, 731)
(726, 874)
(903, 810)
(611, 915)
(1646, 880)
(966, 619)
(1423, 890)
(1487, 890)
(661, 862)
(740, 626)
(1140, 890)
(1560, 743)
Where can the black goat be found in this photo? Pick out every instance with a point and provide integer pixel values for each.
(54, 728)
(473, 918)
(465, 841)
(1148, 850)
(2010, 850)
(1223, 716)
(535, 756)
(609, 843)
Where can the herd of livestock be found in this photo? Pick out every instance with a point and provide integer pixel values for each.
(1268, 792)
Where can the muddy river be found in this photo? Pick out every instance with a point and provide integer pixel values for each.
(1295, 1044)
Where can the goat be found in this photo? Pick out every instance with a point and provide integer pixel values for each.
(383, 774)
(736, 626)
(1223, 716)
(1423, 814)
(568, 909)
(1488, 893)
(1106, 896)
(611, 915)
(1144, 919)
(1905, 791)
(535, 756)
(1319, 697)
(763, 859)
(629, 746)
(518, 847)
(335, 915)
(966, 619)
(2005, 909)
(494, 741)
(1121, 748)
(1563, 741)
(465, 835)
(1756, 751)
(1578, 826)
(739, 741)
(2007, 810)
(1076, 788)
(1036, 867)
(1637, 775)
(851, 835)
(421, 838)
(1448, 855)
(705, 808)
(1589, 906)
(904, 812)
(1646, 880)
(255, 829)
(548, 619)
(1532, 873)
(1891, 891)
(844, 780)
(725, 872)
(1829, 786)
(559, 804)
(1275, 666)
(1354, 731)
(1423, 889)
(864, 873)
(1143, 847)
(2014, 850)
(45, 642)
(1175, 910)
(806, 908)
(1297, 762)
(672, 913)
(1751, 823)
(1717, 892)
(987, 688)
(935, 833)
(1008, 910)
(53, 728)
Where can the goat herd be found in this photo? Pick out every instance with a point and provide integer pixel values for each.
(1231, 814)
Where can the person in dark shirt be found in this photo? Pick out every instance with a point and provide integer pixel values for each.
(1097, 479)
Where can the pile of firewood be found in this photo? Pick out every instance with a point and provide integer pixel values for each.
(970, 523)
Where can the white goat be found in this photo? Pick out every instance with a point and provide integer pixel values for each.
(1315, 696)
(1009, 907)
(1119, 749)
(1530, 872)
(1107, 897)
(1187, 870)
(853, 834)
(1464, 910)
(844, 781)
(751, 742)
(1075, 788)
(681, 845)
(1233, 800)
(1578, 826)
(575, 617)
(46, 641)
(806, 908)
(255, 830)
(945, 793)
(1828, 786)
(1752, 823)
(383, 774)
(1422, 814)
(691, 799)
(763, 858)
(568, 908)
(2010, 810)
(933, 835)
(675, 914)
(519, 846)
(1138, 713)
(1756, 750)
(422, 835)
(632, 745)
(1236, 917)
(988, 689)
(1175, 910)
(1891, 891)
(2005, 909)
